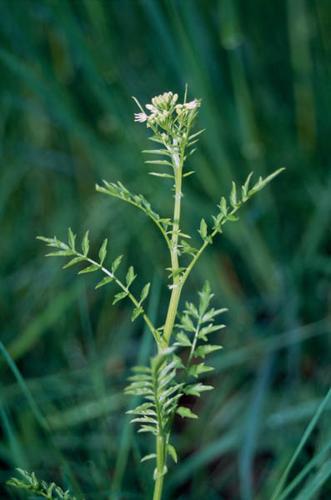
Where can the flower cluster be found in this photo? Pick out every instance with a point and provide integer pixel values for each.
(163, 107)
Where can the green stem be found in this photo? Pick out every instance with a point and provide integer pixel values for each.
(176, 284)
(207, 242)
(177, 160)
(160, 464)
(158, 488)
(194, 343)
(160, 444)
(171, 315)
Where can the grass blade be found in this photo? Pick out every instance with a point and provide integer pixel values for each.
(301, 444)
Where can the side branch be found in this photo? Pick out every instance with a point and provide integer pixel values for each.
(228, 214)
(69, 250)
(125, 289)
(117, 190)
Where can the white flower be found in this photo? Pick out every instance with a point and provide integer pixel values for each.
(140, 117)
(192, 104)
(186, 107)
(160, 111)
(153, 117)
(174, 99)
(164, 101)
(151, 108)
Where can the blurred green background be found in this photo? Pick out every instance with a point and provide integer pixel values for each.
(68, 71)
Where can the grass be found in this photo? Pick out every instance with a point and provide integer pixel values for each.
(68, 71)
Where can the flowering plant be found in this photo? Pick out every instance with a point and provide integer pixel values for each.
(183, 339)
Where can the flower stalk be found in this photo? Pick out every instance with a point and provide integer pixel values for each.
(176, 286)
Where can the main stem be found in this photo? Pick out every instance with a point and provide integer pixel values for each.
(160, 458)
(176, 284)
(177, 161)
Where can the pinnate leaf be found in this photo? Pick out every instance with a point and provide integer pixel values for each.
(103, 251)
(223, 207)
(130, 276)
(90, 269)
(115, 265)
(196, 389)
(183, 340)
(73, 261)
(144, 292)
(172, 452)
(148, 457)
(104, 281)
(86, 244)
(60, 253)
(233, 195)
(203, 350)
(71, 238)
(137, 311)
(119, 296)
(196, 370)
(185, 412)
(203, 229)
